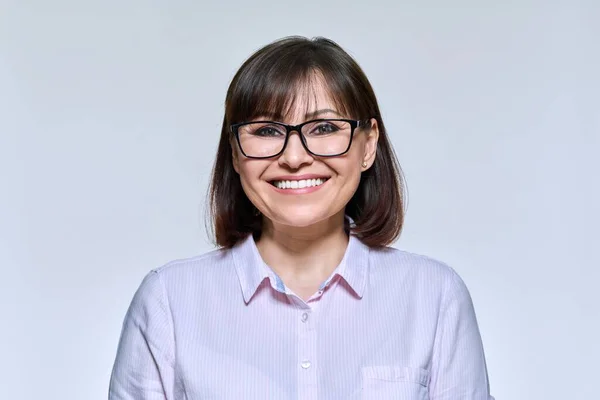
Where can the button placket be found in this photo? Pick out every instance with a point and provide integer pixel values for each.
(307, 362)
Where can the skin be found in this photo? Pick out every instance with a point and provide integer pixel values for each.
(303, 238)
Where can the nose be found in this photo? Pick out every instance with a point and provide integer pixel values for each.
(295, 155)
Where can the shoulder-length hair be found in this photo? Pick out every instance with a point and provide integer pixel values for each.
(267, 83)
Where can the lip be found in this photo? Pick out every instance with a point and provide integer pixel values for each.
(298, 191)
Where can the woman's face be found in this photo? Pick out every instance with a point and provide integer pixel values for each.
(304, 206)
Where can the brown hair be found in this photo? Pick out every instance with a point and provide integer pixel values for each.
(266, 84)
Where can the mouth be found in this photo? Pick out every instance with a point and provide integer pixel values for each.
(298, 184)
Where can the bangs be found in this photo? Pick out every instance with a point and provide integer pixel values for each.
(270, 86)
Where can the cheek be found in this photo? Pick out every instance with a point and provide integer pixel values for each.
(351, 184)
(349, 174)
(349, 166)
(250, 172)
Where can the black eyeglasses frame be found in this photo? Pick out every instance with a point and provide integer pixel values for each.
(234, 128)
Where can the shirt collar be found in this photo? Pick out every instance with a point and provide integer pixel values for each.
(252, 270)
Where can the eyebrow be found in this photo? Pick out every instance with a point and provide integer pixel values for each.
(323, 111)
(311, 114)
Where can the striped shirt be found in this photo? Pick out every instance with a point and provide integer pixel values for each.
(387, 324)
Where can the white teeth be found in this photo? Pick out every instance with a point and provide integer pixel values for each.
(304, 183)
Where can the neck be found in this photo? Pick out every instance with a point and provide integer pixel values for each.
(304, 256)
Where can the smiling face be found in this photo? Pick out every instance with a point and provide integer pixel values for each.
(296, 188)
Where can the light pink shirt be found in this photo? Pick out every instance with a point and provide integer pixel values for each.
(387, 324)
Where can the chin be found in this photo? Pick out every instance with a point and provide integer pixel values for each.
(300, 218)
(298, 222)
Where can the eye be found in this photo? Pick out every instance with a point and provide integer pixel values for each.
(323, 128)
(268, 131)
(264, 130)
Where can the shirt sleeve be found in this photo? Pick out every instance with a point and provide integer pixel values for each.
(144, 366)
(459, 370)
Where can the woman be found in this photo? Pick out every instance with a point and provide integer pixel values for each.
(303, 300)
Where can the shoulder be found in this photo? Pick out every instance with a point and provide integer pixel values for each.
(405, 262)
(417, 271)
(198, 263)
(197, 271)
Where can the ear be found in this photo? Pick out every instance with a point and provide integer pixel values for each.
(371, 144)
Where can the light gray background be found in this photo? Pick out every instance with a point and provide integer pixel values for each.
(110, 114)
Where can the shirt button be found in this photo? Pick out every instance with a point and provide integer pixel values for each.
(305, 364)
(304, 317)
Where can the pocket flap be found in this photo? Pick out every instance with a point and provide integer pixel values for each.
(396, 373)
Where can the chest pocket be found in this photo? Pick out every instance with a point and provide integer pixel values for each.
(385, 382)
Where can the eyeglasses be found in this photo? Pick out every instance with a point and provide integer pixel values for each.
(320, 137)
